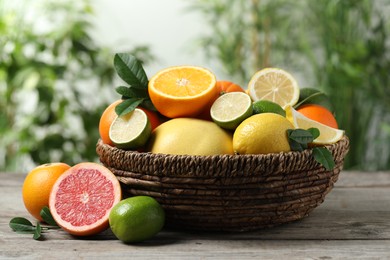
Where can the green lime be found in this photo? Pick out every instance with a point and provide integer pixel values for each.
(230, 109)
(314, 96)
(130, 131)
(136, 219)
(266, 106)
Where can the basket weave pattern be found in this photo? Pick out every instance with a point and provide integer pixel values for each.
(227, 192)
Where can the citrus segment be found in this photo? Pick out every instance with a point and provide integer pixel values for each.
(130, 131)
(275, 85)
(230, 109)
(182, 91)
(38, 184)
(136, 219)
(328, 135)
(81, 199)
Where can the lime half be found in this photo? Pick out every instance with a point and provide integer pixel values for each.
(266, 106)
(230, 109)
(130, 131)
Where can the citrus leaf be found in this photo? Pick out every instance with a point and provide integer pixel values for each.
(38, 232)
(129, 92)
(130, 70)
(147, 103)
(314, 132)
(127, 106)
(300, 135)
(295, 146)
(47, 217)
(20, 224)
(324, 157)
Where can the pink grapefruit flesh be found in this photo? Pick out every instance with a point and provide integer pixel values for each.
(82, 198)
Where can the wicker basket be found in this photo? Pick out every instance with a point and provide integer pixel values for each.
(227, 192)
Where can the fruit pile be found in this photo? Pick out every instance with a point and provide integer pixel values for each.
(186, 110)
(180, 110)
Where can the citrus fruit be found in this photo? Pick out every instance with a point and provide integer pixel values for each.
(38, 184)
(82, 197)
(136, 219)
(266, 106)
(230, 109)
(314, 96)
(130, 131)
(223, 87)
(262, 134)
(190, 136)
(328, 135)
(182, 91)
(275, 85)
(109, 116)
(318, 113)
(105, 122)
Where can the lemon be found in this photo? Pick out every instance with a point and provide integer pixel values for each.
(266, 106)
(130, 131)
(136, 219)
(261, 134)
(230, 109)
(328, 135)
(190, 136)
(275, 85)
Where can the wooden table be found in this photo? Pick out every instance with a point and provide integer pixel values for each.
(352, 223)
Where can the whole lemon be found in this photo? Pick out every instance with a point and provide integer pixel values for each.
(190, 136)
(261, 134)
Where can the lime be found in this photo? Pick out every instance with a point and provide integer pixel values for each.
(314, 96)
(136, 219)
(262, 134)
(130, 131)
(275, 85)
(230, 109)
(266, 106)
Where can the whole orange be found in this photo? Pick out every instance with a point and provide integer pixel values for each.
(38, 184)
(318, 113)
(109, 116)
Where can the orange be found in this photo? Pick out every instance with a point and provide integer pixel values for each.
(109, 116)
(318, 113)
(38, 184)
(82, 198)
(223, 87)
(105, 122)
(182, 91)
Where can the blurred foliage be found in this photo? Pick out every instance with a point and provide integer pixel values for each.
(340, 47)
(54, 83)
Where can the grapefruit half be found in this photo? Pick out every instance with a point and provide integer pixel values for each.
(82, 198)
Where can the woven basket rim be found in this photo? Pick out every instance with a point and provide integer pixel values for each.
(343, 141)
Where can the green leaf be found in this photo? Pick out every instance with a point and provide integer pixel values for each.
(147, 103)
(127, 106)
(38, 232)
(130, 70)
(132, 92)
(300, 135)
(295, 146)
(19, 224)
(324, 157)
(314, 132)
(47, 217)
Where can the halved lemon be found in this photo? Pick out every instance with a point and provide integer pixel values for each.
(130, 131)
(328, 135)
(182, 91)
(275, 85)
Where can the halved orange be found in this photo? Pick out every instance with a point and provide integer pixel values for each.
(182, 91)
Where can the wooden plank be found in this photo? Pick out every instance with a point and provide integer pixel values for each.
(351, 223)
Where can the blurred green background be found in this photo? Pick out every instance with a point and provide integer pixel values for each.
(56, 80)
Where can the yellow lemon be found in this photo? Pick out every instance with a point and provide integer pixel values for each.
(190, 136)
(261, 134)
